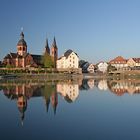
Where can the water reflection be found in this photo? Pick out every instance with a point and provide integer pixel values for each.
(69, 91)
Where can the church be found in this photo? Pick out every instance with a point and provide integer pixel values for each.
(23, 59)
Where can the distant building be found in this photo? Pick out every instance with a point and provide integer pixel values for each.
(88, 68)
(119, 62)
(102, 67)
(69, 60)
(133, 62)
(24, 59)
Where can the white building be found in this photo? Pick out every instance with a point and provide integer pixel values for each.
(119, 62)
(90, 68)
(102, 66)
(69, 60)
(133, 62)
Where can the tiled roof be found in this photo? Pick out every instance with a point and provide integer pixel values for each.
(119, 60)
(68, 52)
(11, 55)
(137, 60)
(60, 57)
(37, 58)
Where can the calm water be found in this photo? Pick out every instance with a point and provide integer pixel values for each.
(84, 110)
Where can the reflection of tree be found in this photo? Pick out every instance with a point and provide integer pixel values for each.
(49, 93)
(84, 85)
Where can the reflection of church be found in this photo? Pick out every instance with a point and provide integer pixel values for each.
(22, 106)
(22, 93)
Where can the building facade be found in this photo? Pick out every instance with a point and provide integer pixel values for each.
(70, 92)
(69, 60)
(133, 62)
(102, 67)
(119, 63)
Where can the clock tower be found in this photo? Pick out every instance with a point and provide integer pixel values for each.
(21, 45)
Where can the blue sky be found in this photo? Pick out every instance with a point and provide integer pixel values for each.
(95, 29)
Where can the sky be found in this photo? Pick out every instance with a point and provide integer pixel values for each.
(97, 30)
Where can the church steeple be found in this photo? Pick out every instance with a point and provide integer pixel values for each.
(47, 49)
(22, 35)
(21, 45)
(54, 51)
(54, 43)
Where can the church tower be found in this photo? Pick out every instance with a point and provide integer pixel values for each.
(21, 45)
(47, 49)
(54, 51)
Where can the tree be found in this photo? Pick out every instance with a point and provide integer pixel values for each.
(47, 61)
(111, 68)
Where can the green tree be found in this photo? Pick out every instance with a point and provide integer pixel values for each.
(111, 68)
(47, 61)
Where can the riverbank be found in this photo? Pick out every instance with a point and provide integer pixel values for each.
(42, 77)
(66, 76)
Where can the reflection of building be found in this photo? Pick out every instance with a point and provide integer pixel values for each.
(23, 92)
(122, 86)
(54, 101)
(22, 106)
(90, 83)
(87, 84)
(69, 91)
(102, 85)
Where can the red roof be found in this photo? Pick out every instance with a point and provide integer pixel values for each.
(137, 60)
(118, 60)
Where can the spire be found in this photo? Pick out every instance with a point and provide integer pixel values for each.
(54, 43)
(54, 100)
(22, 35)
(47, 104)
(47, 45)
(54, 109)
(22, 118)
(47, 49)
